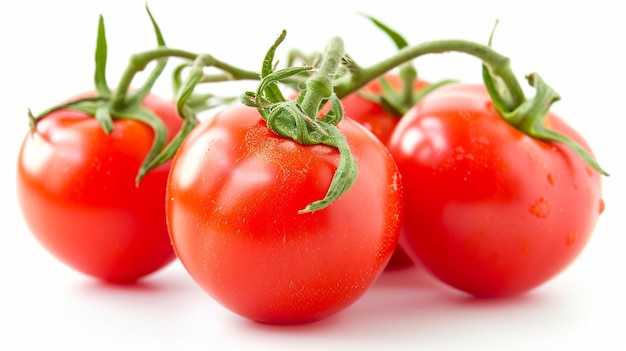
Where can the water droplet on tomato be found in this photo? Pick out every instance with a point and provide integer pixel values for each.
(459, 152)
(551, 178)
(602, 205)
(395, 183)
(571, 239)
(541, 208)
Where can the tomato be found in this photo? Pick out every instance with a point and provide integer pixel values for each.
(489, 210)
(76, 190)
(233, 198)
(381, 123)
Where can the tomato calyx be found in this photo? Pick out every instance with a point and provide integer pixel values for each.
(529, 115)
(104, 107)
(125, 103)
(298, 119)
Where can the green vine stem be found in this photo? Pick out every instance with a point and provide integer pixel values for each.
(396, 101)
(139, 61)
(499, 65)
(502, 84)
(298, 119)
(125, 103)
(121, 102)
(397, 104)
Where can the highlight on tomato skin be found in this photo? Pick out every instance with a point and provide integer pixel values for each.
(233, 198)
(77, 193)
(489, 210)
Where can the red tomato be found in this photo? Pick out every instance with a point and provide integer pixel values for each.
(490, 210)
(76, 189)
(233, 198)
(381, 123)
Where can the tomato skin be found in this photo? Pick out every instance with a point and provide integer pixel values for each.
(233, 198)
(76, 190)
(489, 210)
(381, 123)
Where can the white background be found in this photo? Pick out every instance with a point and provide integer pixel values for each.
(46, 53)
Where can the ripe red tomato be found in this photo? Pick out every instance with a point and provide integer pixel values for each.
(490, 210)
(233, 198)
(381, 123)
(76, 189)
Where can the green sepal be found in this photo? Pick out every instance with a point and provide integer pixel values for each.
(103, 116)
(288, 119)
(97, 106)
(198, 102)
(139, 94)
(397, 103)
(100, 79)
(146, 116)
(100, 108)
(530, 117)
(169, 150)
(347, 169)
(184, 91)
(272, 91)
(335, 113)
(104, 109)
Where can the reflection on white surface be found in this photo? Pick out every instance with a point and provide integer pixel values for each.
(407, 308)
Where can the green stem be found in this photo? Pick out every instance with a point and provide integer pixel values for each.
(298, 119)
(139, 61)
(319, 87)
(524, 114)
(500, 65)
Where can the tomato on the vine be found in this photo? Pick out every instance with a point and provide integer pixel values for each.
(233, 201)
(488, 209)
(77, 191)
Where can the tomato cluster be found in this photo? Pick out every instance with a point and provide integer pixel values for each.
(287, 210)
(76, 188)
